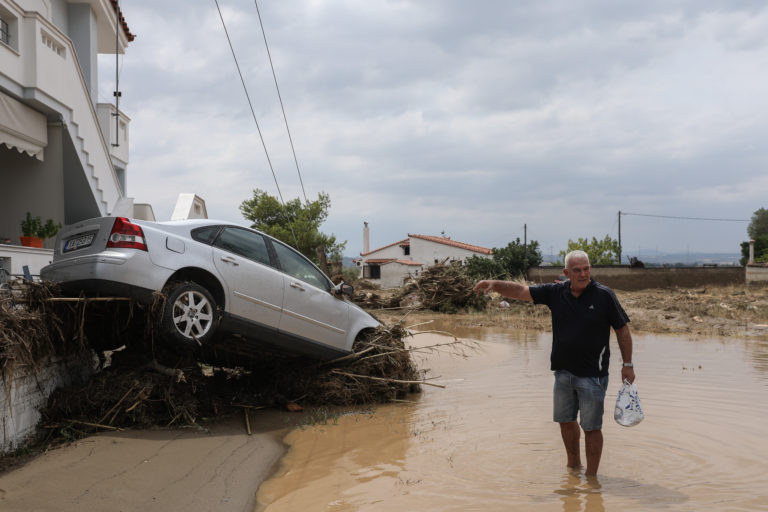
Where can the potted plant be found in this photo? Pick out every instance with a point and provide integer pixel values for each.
(34, 231)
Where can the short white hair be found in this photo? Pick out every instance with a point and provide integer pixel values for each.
(575, 254)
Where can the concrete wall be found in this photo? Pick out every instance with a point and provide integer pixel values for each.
(393, 274)
(757, 273)
(23, 396)
(13, 258)
(629, 279)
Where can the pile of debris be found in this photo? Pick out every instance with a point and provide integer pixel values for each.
(135, 390)
(441, 288)
(143, 384)
(35, 327)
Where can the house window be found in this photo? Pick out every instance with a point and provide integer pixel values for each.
(372, 272)
(5, 35)
(407, 250)
(9, 27)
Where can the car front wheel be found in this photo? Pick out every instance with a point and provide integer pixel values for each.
(190, 315)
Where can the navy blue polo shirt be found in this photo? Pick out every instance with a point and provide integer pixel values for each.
(581, 326)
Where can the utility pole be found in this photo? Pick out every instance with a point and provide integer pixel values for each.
(525, 246)
(619, 237)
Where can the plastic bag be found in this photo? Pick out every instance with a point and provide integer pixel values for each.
(628, 412)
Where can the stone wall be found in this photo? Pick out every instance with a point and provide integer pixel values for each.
(631, 279)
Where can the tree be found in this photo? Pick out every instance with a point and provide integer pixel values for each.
(761, 250)
(759, 224)
(294, 223)
(600, 252)
(505, 263)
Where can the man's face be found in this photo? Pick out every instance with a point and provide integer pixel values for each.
(578, 272)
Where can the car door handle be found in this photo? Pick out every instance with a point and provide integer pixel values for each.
(229, 259)
(297, 286)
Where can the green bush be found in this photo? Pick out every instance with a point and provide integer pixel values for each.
(34, 226)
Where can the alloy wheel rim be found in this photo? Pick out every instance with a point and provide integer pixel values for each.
(192, 314)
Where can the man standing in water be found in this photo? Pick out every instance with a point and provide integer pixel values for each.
(583, 312)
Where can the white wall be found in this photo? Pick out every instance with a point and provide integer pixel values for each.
(394, 251)
(23, 396)
(392, 274)
(13, 259)
(427, 252)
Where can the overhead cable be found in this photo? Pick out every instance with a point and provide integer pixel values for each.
(684, 218)
(285, 118)
(250, 104)
(253, 113)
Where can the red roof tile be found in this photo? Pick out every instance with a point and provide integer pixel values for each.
(380, 261)
(384, 261)
(124, 23)
(453, 243)
(410, 262)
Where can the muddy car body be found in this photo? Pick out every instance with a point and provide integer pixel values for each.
(218, 279)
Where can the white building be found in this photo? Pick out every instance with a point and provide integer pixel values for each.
(391, 264)
(63, 156)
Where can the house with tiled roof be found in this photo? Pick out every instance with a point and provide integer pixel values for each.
(391, 264)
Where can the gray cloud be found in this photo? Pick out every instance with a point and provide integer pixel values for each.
(473, 118)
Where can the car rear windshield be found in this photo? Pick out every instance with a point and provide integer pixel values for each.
(206, 234)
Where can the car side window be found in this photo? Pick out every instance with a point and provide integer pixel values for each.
(206, 234)
(296, 265)
(244, 243)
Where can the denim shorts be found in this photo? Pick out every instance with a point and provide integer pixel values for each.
(579, 395)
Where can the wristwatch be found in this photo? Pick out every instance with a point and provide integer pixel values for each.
(627, 365)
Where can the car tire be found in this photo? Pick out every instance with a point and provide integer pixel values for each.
(190, 315)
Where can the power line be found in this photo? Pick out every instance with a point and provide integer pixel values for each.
(280, 97)
(253, 113)
(250, 104)
(684, 218)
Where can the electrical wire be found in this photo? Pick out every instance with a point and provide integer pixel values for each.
(683, 218)
(280, 97)
(253, 113)
(250, 104)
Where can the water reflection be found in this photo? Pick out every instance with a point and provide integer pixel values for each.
(487, 441)
(580, 493)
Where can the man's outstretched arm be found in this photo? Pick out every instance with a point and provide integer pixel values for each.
(508, 289)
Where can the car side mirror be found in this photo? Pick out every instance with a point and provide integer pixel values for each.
(343, 288)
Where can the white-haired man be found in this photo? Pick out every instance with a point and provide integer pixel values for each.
(583, 312)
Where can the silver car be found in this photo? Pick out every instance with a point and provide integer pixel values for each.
(218, 279)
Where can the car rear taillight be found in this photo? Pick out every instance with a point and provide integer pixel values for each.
(126, 234)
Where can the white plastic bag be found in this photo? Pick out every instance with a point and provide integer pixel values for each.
(628, 412)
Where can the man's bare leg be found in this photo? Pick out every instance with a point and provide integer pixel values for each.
(593, 439)
(571, 435)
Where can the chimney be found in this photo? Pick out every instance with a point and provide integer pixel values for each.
(751, 252)
(366, 238)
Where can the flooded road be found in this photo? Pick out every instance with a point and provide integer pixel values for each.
(486, 442)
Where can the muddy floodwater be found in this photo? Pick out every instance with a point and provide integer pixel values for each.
(486, 442)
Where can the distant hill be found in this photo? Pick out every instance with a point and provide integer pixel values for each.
(674, 258)
(654, 258)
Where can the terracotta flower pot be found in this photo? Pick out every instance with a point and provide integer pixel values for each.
(31, 241)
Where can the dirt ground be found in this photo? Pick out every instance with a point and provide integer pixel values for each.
(727, 311)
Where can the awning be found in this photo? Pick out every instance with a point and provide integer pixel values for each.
(22, 127)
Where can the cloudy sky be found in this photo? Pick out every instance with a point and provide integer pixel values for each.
(470, 118)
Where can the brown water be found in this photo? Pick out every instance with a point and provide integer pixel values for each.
(486, 442)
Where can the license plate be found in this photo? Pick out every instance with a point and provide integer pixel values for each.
(78, 243)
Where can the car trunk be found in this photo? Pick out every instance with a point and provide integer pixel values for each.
(83, 238)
